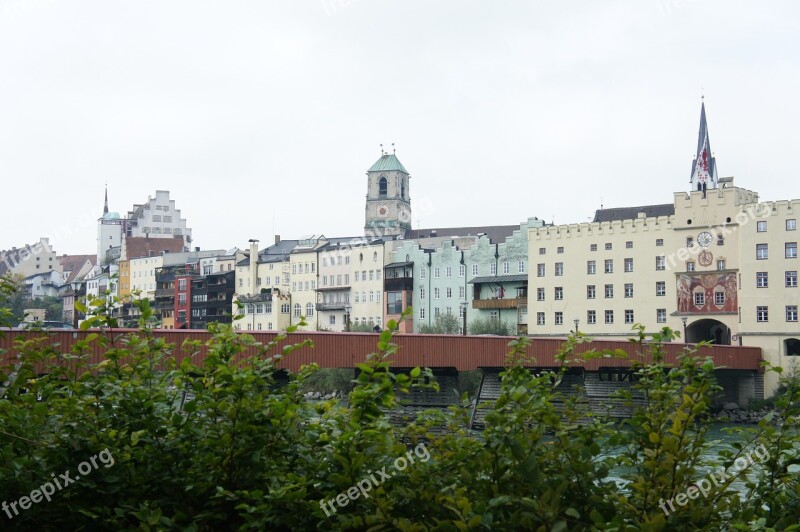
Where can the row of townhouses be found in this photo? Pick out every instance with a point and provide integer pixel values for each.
(714, 263)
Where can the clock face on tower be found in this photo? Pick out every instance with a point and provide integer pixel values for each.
(382, 211)
(705, 238)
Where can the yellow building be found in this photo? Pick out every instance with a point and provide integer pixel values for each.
(715, 265)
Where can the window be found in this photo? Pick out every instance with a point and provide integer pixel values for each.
(690, 266)
(332, 319)
(422, 313)
(436, 292)
(462, 293)
(309, 309)
(542, 251)
(593, 247)
(394, 302)
(284, 309)
(521, 266)
(762, 313)
(699, 299)
(474, 269)
(661, 288)
(560, 249)
(661, 263)
(689, 242)
(540, 294)
(791, 312)
(436, 272)
(628, 265)
(629, 316)
(659, 241)
(791, 224)
(448, 272)
(493, 269)
(181, 299)
(661, 315)
(448, 292)
(591, 317)
(559, 293)
(540, 270)
(628, 289)
(298, 310)
(762, 251)
(383, 186)
(559, 268)
(182, 284)
(423, 273)
(506, 267)
(791, 279)
(791, 250)
(559, 318)
(462, 270)
(762, 280)
(609, 267)
(608, 246)
(761, 226)
(421, 294)
(591, 291)
(721, 264)
(629, 244)
(609, 291)
(540, 318)
(590, 267)
(719, 298)
(720, 239)
(609, 316)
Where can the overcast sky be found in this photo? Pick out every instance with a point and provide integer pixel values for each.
(254, 111)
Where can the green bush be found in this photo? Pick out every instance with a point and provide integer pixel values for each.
(223, 445)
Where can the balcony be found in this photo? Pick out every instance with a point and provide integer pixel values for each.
(505, 303)
(257, 298)
(398, 284)
(330, 306)
(218, 303)
(165, 292)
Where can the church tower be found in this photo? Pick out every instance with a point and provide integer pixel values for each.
(388, 210)
(704, 166)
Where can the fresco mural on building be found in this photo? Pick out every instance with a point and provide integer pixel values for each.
(707, 293)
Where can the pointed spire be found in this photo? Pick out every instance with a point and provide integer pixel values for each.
(704, 166)
(105, 207)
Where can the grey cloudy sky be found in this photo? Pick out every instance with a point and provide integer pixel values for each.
(249, 111)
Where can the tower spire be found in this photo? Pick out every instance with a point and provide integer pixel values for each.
(105, 206)
(704, 166)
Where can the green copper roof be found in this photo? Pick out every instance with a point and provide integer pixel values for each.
(387, 163)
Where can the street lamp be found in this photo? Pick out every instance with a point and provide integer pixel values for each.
(576, 321)
(684, 319)
(464, 316)
(347, 309)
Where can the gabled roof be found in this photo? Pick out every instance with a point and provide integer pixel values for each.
(496, 233)
(73, 264)
(632, 213)
(387, 163)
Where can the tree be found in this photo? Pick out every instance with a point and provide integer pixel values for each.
(491, 326)
(446, 323)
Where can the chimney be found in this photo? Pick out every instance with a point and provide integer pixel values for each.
(433, 232)
(253, 265)
(197, 248)
(277, 239)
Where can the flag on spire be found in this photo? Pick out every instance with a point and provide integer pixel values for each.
(704, 166)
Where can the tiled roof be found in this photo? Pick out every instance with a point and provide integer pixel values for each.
(632, 213)
(73, 264)
(496, 233)
(142, 246)
(387, 163)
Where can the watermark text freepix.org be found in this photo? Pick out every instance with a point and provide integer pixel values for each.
(48, 489)
(365, 485)
(720, 478)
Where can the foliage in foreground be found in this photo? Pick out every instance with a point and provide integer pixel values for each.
(220, 444)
